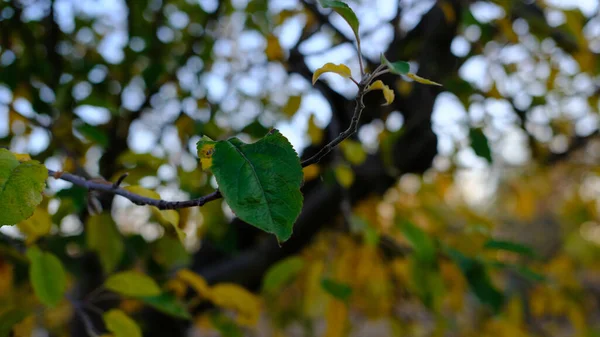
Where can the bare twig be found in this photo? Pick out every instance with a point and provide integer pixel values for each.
(135, 198)
(352, 128)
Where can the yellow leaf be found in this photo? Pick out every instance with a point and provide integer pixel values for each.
(197, 282)
(388, 93)
(314, 132)
(120, 324)
(22, 156)
(274, 51)
(340, 69)
(170, 216)
(132, 283)
(449, 13)
(311, 172)
(232, 296)
(353, 151)
(422, 80)
(38, 225)
(336, 318)
(6, 278)
(205, 153)
(344, 175)
(292, 105)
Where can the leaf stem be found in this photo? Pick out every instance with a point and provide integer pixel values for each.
(135, 198)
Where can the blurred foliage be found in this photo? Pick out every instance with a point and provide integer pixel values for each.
(499, 236)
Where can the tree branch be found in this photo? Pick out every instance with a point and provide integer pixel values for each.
(137, 199)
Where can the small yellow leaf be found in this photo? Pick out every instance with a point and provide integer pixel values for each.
(336, 318)
(353, 151)
(197, 282)
(120, 324)
(311, 172)
(35, 227)
(340, 69)
(22, 157)
(292, 105)
(273, 50)
(388, 93)
(344, 175)
(232, 296)
(132, 283)
(205, 153)
(314, 131)
(422, 80)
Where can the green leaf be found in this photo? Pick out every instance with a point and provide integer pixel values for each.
(120, 324)
(47, 276)
(510, 247)
(21, 186)
(345, 12)
(132, 283)
(339, 290)
(169, 252)
(480, 144)
(10, 318)
(478, 279)
(423, 245)
(168, 304)
(225, 325)
(260, 181)
(399, 67)
(282, 273)
(103, 237)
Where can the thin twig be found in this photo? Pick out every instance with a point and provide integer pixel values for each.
(135, 198)
(352, 128)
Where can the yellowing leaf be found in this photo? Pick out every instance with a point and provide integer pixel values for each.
(38, 225)
(132, 283)
(344, 175)
(24, 328)
(274, 51)
(120, 324)
(232, 296)
(336, 318)
(165, 217)
(205, 153)
(197, 282)
(292, 105)
(340, 69)
(353, 151)
(22, 157)
(314, 131)
(388, 93)
(422, 80)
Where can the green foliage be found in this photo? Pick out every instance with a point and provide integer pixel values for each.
(509, 246)
(9, 318)
(423, 245)
(167, 304)
(399, 67)
(282, 273)
(47, 276)
(103, 237)
(120, 324)
(344, 11)
(132, 283)
(338, 290)
(260, 181)
(480, 144)
(21, 186)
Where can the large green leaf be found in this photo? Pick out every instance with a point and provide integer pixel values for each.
(103, 237)
(120, 324)
(21, 186)
(339, 290)
(132, 283)
(345, 12)
(423, 245)
(47, 276)
(260, 181)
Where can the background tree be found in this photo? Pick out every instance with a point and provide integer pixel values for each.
(467, 209)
